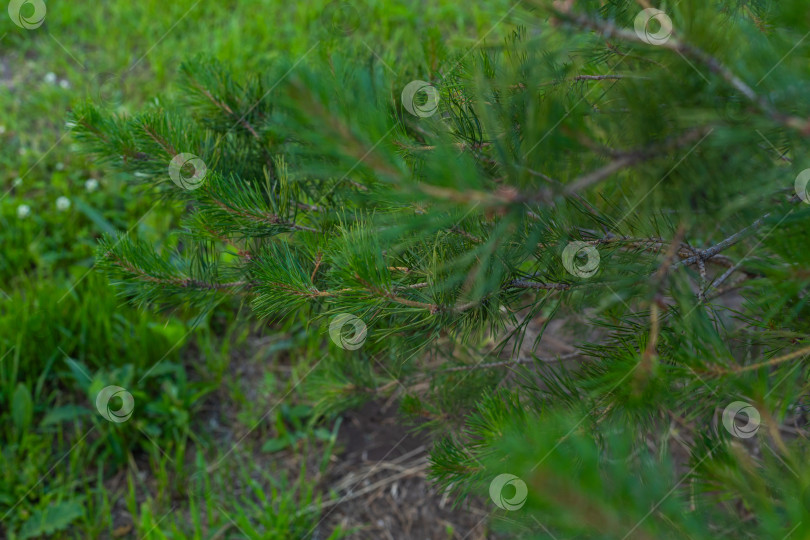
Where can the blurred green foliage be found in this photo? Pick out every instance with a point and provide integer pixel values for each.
(64, 333)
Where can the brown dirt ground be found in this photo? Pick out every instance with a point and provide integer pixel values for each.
(381, 485)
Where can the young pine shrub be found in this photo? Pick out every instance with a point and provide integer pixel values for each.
(635, 178)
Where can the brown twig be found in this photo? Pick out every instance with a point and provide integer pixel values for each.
(183, 282)
(318, 258)
(509, 363)
(167, 147)
(224, 106)
(526, 284)
(258, 216)
(609, 30)
(624, 159)
(767, 363)
(709, 253)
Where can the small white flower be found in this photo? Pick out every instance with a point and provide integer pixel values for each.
(17, 181)
(91, 185)
(50, 77)
(60, 166)
(2, 129)
(23, 211)
(62, 204)
(23, 150)
(64, 83)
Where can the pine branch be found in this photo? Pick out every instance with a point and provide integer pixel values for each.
(510, 363)
(710, 252)
(257, 216)
(167, 147)
(183, 282)
(768, 363)
(610, 30)
(227, 110)
(624, 159)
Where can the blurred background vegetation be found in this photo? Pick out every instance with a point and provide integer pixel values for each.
(64, 334)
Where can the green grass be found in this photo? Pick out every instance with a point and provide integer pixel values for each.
(65, 334)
